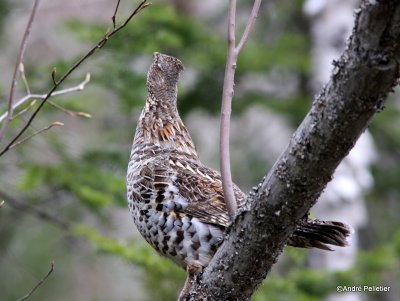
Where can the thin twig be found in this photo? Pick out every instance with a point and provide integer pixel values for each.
(38, 284)
(227, 95)
(56, 83)
(24, 110)
(53, 76)
(56, 123)
(24, 206)
(249, 26)
(67, 111)
(76, 88)
(79, 87)
(16, 69)
(115, 13)
(23, 76)
(140, 7)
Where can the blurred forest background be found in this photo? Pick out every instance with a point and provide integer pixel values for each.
(76, 173)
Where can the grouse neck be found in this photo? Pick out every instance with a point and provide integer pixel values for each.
(160, 125)
(161, 102)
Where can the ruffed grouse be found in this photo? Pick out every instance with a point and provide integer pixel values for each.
(177, 202)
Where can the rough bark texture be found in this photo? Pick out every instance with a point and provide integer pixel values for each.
(343, 198)
(331, 24)
(360, 82)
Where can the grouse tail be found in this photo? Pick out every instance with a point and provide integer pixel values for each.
(320, 234)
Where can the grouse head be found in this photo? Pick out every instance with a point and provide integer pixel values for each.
(164, 73)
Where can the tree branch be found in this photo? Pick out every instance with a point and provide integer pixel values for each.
(46, 128)
(69, 112)
(39, 283)
(77, 88)
(361, 80)
(249, 26)
(17, 66)
(23, 76)
(227, 95)
(37, 212)
(115, 13)
(56, 83)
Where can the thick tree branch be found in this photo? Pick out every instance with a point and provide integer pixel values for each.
(362, 78)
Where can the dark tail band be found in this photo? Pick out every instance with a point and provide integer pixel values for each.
(319, 234)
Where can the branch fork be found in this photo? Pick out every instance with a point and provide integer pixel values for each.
(227, 95)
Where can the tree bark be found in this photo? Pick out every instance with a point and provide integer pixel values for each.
(360, 82)
(343, 198)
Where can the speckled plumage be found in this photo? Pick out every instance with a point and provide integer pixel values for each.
(176, 201)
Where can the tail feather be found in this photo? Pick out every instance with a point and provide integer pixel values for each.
(319, 234)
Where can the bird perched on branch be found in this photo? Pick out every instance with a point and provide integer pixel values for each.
(176, 202)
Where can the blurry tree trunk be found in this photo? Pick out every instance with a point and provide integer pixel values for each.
(331, 24)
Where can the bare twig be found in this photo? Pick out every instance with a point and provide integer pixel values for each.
(29, 96)
(53, 76)
(140, 7)
(249, 26)
(115, 13)
(23, 76)
(56, 123)
(16, 69)
(56, 83)
(79, 87)
(28, 295)
(24, 206)
(26, 109)
(227, 95)
(69, 112)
